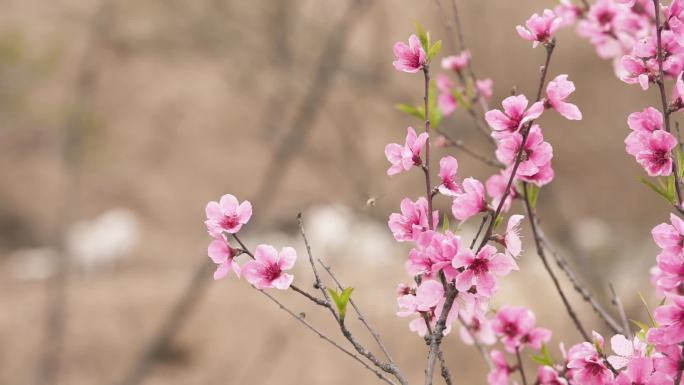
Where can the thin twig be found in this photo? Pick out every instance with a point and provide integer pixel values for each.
(360, 316)
(484, 352)
(542, 255)
(520, 366)
(327, 339)
(426, 165)
(437, 335)
(318, 284)
(621, 310)
(444, 369)
(479, 230)
(460, 145)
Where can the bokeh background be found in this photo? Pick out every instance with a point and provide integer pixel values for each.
(120, 119)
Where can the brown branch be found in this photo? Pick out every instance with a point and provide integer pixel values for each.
(304, 322)
(542, 255)
(484, 352)
(437, 335)
(621, 310)
(520, 366)
(426, 165)
(460, 145)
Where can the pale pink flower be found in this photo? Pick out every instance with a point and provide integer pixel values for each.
(625, 350)
(656, 157)
(670, 237)
(557, 91)
(479, 326)
(403, 158)
(484, 88)
(470, 200)
(514, 115)
(640, 371)
(670, 320)
(409, 58)
(516, 327)
(412, 221)
(637, 71)
(669, 275)
(586, 367)
(501, 372)
(512, 241)
(568, 12)
(642, 125)
(223, 255)
(482, 269)
(456, 62)
(669, 361)
(266, 270)
(446, 100)
(448, 167)
(540, 29)
(678, 91)
(536, 154)
(428, 300)
(227, 215)
(496, 188)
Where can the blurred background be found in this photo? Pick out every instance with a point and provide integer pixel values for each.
(120, 120)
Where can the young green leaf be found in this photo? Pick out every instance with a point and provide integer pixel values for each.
(434, 50)
(411, 110)
(680, 161)
(648, 311)
(532, 194)
(445, 223)
(498, 221)
(341, 300)
(423, 36)
(659, 190)
(461, 99)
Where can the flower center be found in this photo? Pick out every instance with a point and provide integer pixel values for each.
(510, 330)
(479, 266)
(229, 221)
(272, 272)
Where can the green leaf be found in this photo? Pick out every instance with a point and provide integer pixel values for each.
(461, 99)
(648, 311)
(532, 194)
(434, 50)
(445, 223)
(680, 161)
(341, 300)
(497, 221)
(662, 191)
(544, 358)
(411, 110)
(423, 36)
(640, 325)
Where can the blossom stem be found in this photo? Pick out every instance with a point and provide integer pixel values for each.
(309, 326)
(663, 97)
(426, 166)
(520, 366)
(460, 145)
(542, 255)
(481, 348)
(438, 333)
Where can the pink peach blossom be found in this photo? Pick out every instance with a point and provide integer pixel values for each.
(586, 366)
(412, 221)
(557, 91)
(516, 327)
(501, 372)
(670, 320)
(470, 200)
(403, 158)
(640, 371)
(540, 29)
(625, 350)
(433, 253)
(223, 255)
(536, 154)
(227, 215)
(409, 58)
(547, 375)
(448, 167)
(514, 115)
(266, 270)
(656, 157)
(484, 88)
(456, 62)
(670, 237)
(446, 100)
(512, 241)
(482, 269)
(496, 188)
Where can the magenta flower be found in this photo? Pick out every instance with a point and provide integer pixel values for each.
(540, 29)
(409, 58)
(516, 327)
(228, 215)
(223, 255)
(642, 125)
(586, 367)
(637, 71)
(670, 270)
(669, 361)
(266, 270)
(512, 241)
(656, 157)
(446, 100)
(501, 372)
(537, 153)
(448, 167)
(412, 221)
(406, 156)
(482, 269)
(670, 319)
(557, 91)
(456, 62)
(640, 371)
(470, 200)
(433, 253)
(514, 115)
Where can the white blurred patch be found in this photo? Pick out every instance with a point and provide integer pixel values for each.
(591, 234)
(33, 263)
(98, 244)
